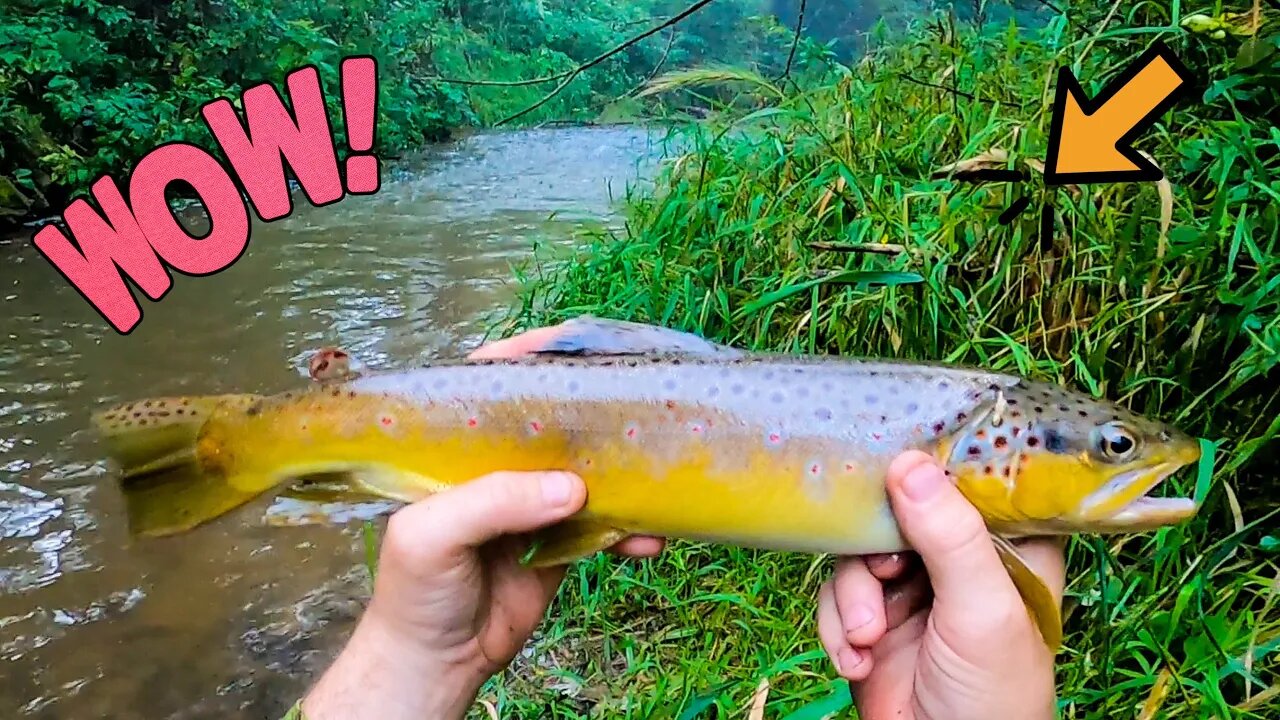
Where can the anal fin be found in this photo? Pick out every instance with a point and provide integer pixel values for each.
(572, 540)
(1042, 606)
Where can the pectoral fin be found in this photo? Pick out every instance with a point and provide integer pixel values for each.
(572, 540)
(1041, 604)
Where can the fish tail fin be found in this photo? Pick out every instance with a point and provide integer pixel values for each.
(154, 444)
(158, 433)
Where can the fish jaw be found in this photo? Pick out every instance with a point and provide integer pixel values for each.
(1124, 504)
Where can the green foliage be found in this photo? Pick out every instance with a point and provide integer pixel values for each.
(813, 221)
(88, 86)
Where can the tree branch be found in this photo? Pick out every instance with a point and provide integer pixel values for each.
(570, 74)
(795, 40)
(567, 77)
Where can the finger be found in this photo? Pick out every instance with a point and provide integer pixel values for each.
(639, 546)
(852, 664)
(890, 566)
(504, 503)
(860, 602)
(904, 599)
(969, 582)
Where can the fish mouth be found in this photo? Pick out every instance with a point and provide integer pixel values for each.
(1126, 504)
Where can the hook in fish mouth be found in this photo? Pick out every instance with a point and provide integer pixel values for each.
(1144, 511)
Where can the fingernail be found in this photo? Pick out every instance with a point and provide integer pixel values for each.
(847, 660)
(923, 483)
(557, 489)
(859, 616)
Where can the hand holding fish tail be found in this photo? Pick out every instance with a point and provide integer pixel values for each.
(945, 634)
(452, 603)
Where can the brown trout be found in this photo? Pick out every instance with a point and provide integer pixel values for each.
(675, 437)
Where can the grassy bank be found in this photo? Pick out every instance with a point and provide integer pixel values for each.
(816, 224)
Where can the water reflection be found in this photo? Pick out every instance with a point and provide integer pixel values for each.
(229, 621)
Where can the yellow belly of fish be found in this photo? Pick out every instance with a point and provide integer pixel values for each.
(656, 476)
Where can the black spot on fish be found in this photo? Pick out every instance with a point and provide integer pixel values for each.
(961, 417)
(975, 451)
(1054, 441)
(777, 397)
(822, 413)
(1001, 441)
(146, 404)
(254, 409)
(1039, 409)
(1033, 441)
(1083, 413)
(938, 427)
(944, 385)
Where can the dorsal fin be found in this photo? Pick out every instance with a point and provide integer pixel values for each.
(590, 335)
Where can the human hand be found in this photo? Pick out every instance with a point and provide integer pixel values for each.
(951, 639)
(452, 604)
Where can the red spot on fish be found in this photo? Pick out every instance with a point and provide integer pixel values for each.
(848, 467)
(1017, 431)
(986, 470)
(981, 434)
(671, 404)
(1006, 471)
(472, 422)
(1001, 441)
(775, 438)
(876, 436)
(535, 426)
(695, 428)
(814, 469)
(631, 432)
(386, 421)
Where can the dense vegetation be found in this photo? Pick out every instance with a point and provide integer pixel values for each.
(815, 222)
(88, 86)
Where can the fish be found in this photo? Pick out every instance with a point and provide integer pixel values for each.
(674, 436)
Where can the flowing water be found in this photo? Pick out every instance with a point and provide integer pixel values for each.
(233, 619)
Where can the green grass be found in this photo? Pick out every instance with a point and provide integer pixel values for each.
(1179, 321)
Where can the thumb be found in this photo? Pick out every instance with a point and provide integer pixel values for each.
(947, 532)
(484, 509)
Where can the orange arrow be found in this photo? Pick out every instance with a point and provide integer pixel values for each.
(1092, 140)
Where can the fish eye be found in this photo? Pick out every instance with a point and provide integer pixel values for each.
(1116, 442)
